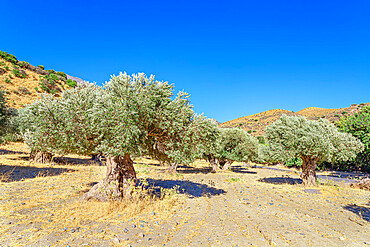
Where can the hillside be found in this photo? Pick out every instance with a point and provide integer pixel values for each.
(22, 82)
(256, 124)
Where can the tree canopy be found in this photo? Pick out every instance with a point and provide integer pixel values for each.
(312, 141)
(131, 115)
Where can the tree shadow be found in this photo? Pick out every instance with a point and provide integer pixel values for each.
(281, 180)
(362, 211)
(188, 188)
(240, 169)
(193, 170)
(72, 161)
(5, 151)
(17, 173)
(347, 175)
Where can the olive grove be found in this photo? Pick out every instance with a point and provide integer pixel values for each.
(131, 115)
(312, 141)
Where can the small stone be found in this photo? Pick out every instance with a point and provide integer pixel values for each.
(23, 203)
(116, 240)
(73, 230)
(341, 238)
(50, 220)
(153, 213)
(100, 231)
(65, 229)
(156, 223)
(125, 230)
(133, 226)
(141, 235)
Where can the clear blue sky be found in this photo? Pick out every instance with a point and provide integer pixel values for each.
(235, 58)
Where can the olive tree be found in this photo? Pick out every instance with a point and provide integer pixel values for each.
(132, 115)
(312, 141)
(231, 145)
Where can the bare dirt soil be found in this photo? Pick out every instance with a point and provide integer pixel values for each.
(40, 206)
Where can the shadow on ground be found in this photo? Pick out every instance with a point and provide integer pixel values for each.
(241, 169)
(362, 211)
(281, 180)
(4, 151)
(184, 187)
(193, 170)
(71, 161)
(17, 173)
(204, 170)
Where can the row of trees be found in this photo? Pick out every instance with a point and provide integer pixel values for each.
(138, 115)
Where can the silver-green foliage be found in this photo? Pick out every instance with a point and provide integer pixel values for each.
(133, 115)
(237, 145)
(297, 137)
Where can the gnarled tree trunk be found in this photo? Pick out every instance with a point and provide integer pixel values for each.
(214, 163)
(308, 171)
(173, 167)
(40, 157)
(120, 179)
(227, 165)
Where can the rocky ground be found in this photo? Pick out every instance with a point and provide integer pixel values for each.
(246, 206)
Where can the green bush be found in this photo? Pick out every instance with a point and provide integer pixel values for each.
(359, 126)
(344, 112)
(7, 80)
(336, 115)
(71, 83)
(249, 131)
(261, 139)
(296, 162)
(41, 67)
(62, 74)
(6, 67)
(8, 57)
(19, 74)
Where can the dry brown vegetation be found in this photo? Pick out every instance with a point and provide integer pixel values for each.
(256, 124)
(21, 91)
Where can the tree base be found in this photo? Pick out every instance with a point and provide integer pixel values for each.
(41, 157)
(119, 181)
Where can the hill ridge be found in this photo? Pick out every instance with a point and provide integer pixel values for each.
(255, 124)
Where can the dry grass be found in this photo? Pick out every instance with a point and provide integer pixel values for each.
(12, 85)
(53, 201)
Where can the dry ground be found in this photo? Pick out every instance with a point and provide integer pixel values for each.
(40, 206)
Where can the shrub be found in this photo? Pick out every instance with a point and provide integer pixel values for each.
(336, 115)
(24, 90)
(359, 126)
(62, 74)
(297, 162)
(261, 139)
(7, 80)
(8, 57)
(71, 83)
(344, 112)
(41, 67)
(19, 74)
(249, 131)
(6, 67)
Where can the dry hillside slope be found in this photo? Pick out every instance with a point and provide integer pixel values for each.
(23, 82)
(256, 124)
